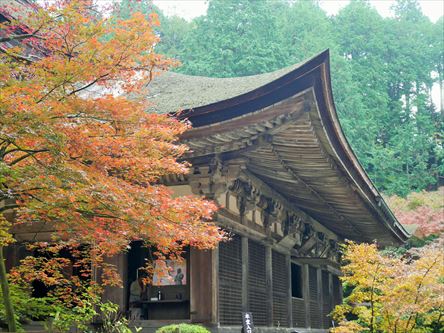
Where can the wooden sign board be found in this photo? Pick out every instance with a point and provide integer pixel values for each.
(247, 322)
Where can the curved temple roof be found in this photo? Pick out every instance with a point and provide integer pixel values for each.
(171, 92)
(285, 125)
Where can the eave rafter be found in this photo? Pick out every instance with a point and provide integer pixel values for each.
(289, 133)
(315, 193)
(248, 131)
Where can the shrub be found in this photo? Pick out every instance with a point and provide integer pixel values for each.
(113, 320)
(182, 328)
(26, 307)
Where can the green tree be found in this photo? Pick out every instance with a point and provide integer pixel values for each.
(303, 38)
(235, 38)
(391, 65)
(412, 123)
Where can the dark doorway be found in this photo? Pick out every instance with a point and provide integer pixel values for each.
(167, 296)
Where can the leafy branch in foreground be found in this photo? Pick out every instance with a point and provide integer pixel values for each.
(78, 158)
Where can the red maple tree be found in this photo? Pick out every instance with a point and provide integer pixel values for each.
(423, 211)
(84, 165)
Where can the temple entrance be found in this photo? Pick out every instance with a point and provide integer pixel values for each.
(167, 297)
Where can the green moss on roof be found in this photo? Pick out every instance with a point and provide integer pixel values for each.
(172, 92)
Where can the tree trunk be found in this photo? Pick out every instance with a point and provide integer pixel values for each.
(9, 310)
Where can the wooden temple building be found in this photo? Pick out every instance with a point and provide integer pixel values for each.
(269, 149)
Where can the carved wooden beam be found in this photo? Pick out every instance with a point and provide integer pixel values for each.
(213, 179)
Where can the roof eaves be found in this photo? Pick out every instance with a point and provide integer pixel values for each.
(318, 68)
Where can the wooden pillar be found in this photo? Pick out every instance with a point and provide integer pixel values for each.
(320, 298)
(341, 292)
(269, 284)
(244, 249)
(215, 288)
(330, 294)
(118, 295)
(306, 294)
(203, 286)
(289, 292)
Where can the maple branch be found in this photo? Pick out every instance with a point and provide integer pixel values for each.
(28, 154)
(17, 57)
(23, 36)
(85, 86)
(32, 154)
(371, 298)
(20, 37)
(102, 215)
(23, 150)
(3, 146)
(50, 91)
(13, 194)
(81, 116)
(98, 79)
(417, 293)
(387, 315)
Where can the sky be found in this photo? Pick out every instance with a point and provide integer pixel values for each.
(189, 9)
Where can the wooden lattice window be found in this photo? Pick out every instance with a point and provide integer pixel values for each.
(298, 307)
(280, 289)
(315, 307)
(257, 295)
(230, 282)
(326, 300)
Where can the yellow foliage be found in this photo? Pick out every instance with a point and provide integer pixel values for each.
(5, 236)
(390, 294)
(348, 327)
